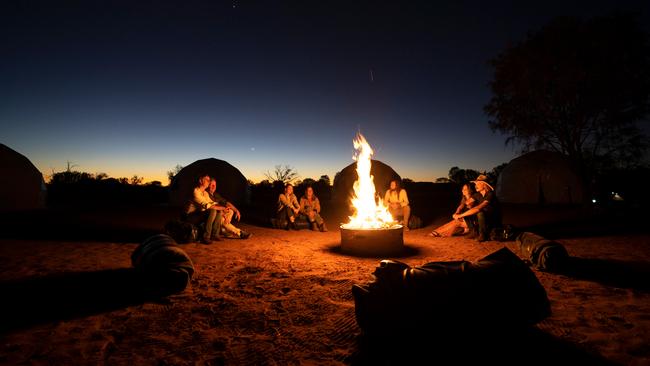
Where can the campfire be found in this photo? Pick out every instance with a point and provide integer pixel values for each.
(371, 229)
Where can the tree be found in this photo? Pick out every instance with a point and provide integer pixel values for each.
(462, 176)
(493, 175)
(172, 173)
(284, 174)
(577, 87)
(135, 180)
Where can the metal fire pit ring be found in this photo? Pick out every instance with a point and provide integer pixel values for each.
(385, 241)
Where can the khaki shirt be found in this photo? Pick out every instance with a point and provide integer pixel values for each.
(393, 197)
(306, 206)
(284, 201)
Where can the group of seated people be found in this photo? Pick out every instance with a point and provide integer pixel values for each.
(208, 207)
(289, 209)
(478, 211)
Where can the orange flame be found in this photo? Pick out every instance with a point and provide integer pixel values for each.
(369, 213)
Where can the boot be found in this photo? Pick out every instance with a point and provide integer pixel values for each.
(322, 227)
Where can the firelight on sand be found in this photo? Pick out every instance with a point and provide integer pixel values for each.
(370, 213)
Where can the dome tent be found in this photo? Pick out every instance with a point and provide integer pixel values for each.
(344, 180)
(231, 183)
(540, 177)
(21, 184)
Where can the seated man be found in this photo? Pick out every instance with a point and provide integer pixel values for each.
(310, 207)
(201, 209)
(398, 203)
(288, 208)
(486, 214)
(227, 213)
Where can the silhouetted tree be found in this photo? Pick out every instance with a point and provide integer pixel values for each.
(135, 180)
(442, 180)
(172, 173)
(284, 174)
(462, 176)
(578, 87)
(493, 175)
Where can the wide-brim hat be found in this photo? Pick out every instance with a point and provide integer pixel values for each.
(482, 179)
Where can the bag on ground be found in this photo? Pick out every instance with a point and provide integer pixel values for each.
(182, 231)
(498, 290)
(164, 267)
(544, 254)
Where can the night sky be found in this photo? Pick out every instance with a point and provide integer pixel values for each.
(138, 87)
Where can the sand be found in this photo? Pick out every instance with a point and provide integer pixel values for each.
(283, 298)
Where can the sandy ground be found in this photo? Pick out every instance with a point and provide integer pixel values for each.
(281, 298)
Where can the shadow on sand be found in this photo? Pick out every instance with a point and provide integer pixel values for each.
(615, 273)
(33, 301)
(408, 251)
(477, 345)
(111, 224)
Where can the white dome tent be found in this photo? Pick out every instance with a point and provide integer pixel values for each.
(540, 177)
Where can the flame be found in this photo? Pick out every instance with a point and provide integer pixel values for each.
(370, 213)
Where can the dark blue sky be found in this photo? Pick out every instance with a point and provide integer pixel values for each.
(137, 87)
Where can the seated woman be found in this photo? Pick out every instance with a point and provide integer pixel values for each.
(469, 199)
(398, 203)
(486, 214)
(201, 209)
(310, 207)
(288, 207)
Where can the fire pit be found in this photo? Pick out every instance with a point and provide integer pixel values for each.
(372, 229)
(372, 241)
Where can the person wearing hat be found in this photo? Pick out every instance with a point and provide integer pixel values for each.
(486, 214)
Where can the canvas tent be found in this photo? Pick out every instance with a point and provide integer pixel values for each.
(21, 184)
(231, 183)
(540, 177)
(344, 180)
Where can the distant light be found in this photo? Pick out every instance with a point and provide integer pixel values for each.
(594, 200)
(613, 193)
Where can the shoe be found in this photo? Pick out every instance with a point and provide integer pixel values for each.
(314, 226)
(472, 234)
(244, 234)
(434, 234)
(406, 228)
(294, 226)
(481, 238)
(206, 241)
(323, 228)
